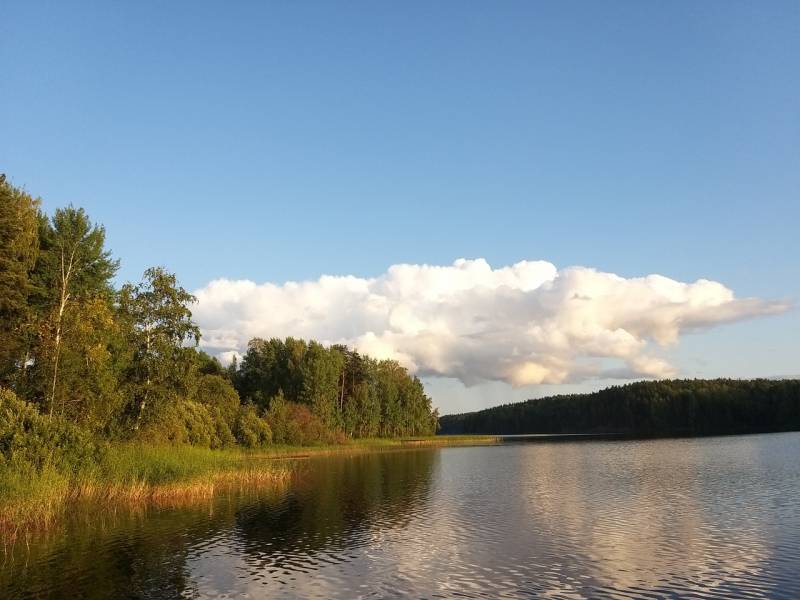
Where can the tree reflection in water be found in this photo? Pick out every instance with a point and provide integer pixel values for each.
(701, 518)
(332, 506)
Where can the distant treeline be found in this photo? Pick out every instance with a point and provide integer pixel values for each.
(670, 407)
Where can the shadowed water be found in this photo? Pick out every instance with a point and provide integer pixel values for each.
(690, 518)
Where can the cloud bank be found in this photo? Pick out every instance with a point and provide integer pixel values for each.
(529, 323)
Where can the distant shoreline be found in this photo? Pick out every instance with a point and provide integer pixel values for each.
(665, 408)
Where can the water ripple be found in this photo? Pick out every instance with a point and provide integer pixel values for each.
(707, 518)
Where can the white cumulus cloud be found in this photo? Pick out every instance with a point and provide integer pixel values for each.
(524, 324)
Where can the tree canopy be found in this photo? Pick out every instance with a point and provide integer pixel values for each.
(124, 363)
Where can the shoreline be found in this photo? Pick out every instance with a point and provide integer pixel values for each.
(167, 476)
(138, 475)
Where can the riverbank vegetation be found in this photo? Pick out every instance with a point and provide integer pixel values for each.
(48, 462)
(105, 387)
(649, 408)
(338, 500)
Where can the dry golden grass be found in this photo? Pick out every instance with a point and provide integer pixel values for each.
(169, 476)
(164, 477)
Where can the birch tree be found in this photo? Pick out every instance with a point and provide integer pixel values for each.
(160, 325)
(73, 267)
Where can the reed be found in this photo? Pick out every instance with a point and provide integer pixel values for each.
(129, 474)
(168, 476)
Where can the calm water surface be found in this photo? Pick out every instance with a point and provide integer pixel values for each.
(695, 518)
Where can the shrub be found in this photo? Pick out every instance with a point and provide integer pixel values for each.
(188, 422)
(218, 394)
(305, 427)
(224, 432)
(200, 428)
(277, 417)
(294, 424)
(252, 431)
(31, 442)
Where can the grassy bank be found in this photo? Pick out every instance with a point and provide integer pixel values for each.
(166, 475)
(373, 444)
(128, 474)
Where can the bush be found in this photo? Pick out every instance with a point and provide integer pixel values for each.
(200, 428)
(294, 424)
(218, 394)
(188, 422)
(224, 431)
(252, 431)
(305, 427)
(32, 443)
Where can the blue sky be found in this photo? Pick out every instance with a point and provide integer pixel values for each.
(282, 141)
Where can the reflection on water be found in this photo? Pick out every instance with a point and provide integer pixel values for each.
(715, 517)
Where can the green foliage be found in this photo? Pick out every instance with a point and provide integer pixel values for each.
(156, 313)
(294, 424)
(91, 355)
(71, 282)
(73, 260)
(676, 407)
(252, 431)
(217, 393)
(97, 363)
(158, 465)
(320, 373)
(209, 365)
(116, 392)
(349, 393)
(19, 248)
(31, 443)
(187, 422)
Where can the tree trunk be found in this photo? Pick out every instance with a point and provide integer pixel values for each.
(66, 273)
(341, 396)
(143, 403)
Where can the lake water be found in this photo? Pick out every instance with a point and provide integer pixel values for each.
(688, 518)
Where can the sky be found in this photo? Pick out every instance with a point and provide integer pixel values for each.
(591, 144)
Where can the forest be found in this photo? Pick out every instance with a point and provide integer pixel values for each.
(86, 364)
(647, 408)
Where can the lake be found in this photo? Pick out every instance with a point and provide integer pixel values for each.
(697, 518)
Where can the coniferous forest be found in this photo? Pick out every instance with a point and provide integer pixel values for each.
(648, 408)
(83, 358)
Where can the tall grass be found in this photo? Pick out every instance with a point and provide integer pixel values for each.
(46, 463)
(129, 473)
